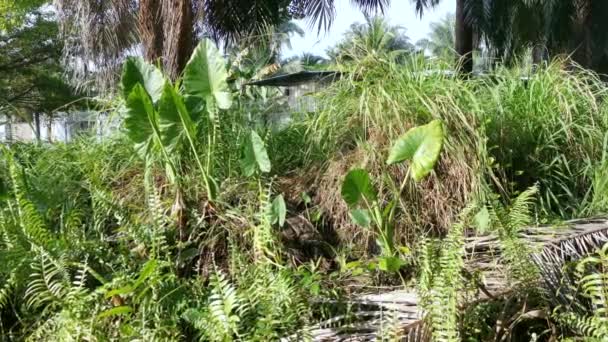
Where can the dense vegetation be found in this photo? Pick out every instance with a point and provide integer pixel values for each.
(200, 219)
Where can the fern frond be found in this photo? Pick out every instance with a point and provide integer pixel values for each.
(441, 279)
(7, 289)
(49, 281)
(519, 212)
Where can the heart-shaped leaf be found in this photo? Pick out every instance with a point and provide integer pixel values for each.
(205, 76)
(255, 157)
(361, 217)
(278, 210)
(356, 186)
(421, 145)
(137, 71)
(141, 121)
(174, 119)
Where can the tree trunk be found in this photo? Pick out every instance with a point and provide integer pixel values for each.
(178, 22)
(583, 54)
(464, 40)
(37, 126)
(49, 129)
(166, 29)
(151, 29)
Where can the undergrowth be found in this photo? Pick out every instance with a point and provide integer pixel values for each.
(215, 226)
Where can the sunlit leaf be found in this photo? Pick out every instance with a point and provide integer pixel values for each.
(421, 146)
(175, 122)
(390, 264)
(137, 71)
(482, 220)
(117, 311)
(145, 273)
(205, 76)
(141, 120)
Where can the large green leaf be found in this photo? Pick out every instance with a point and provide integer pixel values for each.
(141, 120)
(205, 76)
(356, 186)
(255, 156)
(361, 217)
(390, 263)
(278, 211)
(137, 71)
(422, 146)
(175, 121)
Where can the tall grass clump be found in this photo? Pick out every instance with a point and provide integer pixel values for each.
(547, 127)
(506, 131)
(379, 100)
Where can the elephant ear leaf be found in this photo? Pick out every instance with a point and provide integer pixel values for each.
(137, 71)
(175, 123)
(421, 146)
(278, 211)
(255, 156)
(205, 76)
(357, 186)
(141, 122)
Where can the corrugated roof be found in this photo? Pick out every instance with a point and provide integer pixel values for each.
(297, 78)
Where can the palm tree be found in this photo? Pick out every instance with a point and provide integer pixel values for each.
(441, 38)
(101, 32)
(572, 27)
(463, 33)
(374, 36)
(306, 61)
(258, 56)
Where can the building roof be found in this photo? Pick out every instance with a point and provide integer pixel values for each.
(297, 78)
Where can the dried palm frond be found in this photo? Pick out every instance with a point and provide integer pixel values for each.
(582, 241)
(96, 35)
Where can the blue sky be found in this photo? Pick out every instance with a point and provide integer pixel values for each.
(400, 13)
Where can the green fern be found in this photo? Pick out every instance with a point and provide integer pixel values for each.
(441, 281)
(50, 281)
(591, 279)
(507, 222)
(220, 319)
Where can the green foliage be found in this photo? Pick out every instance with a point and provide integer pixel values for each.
(159, 119)
(15, 12)
(374, 37)
(591, 289)
(255, 157)
(507, 222)
(278, 211)
(441, 40)
(422, 145)
(240, 310)
(357, 186)
(205, 77)
(441, 283)
(32, 81)
(135, 72)
(141, 120)
(98, 244)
